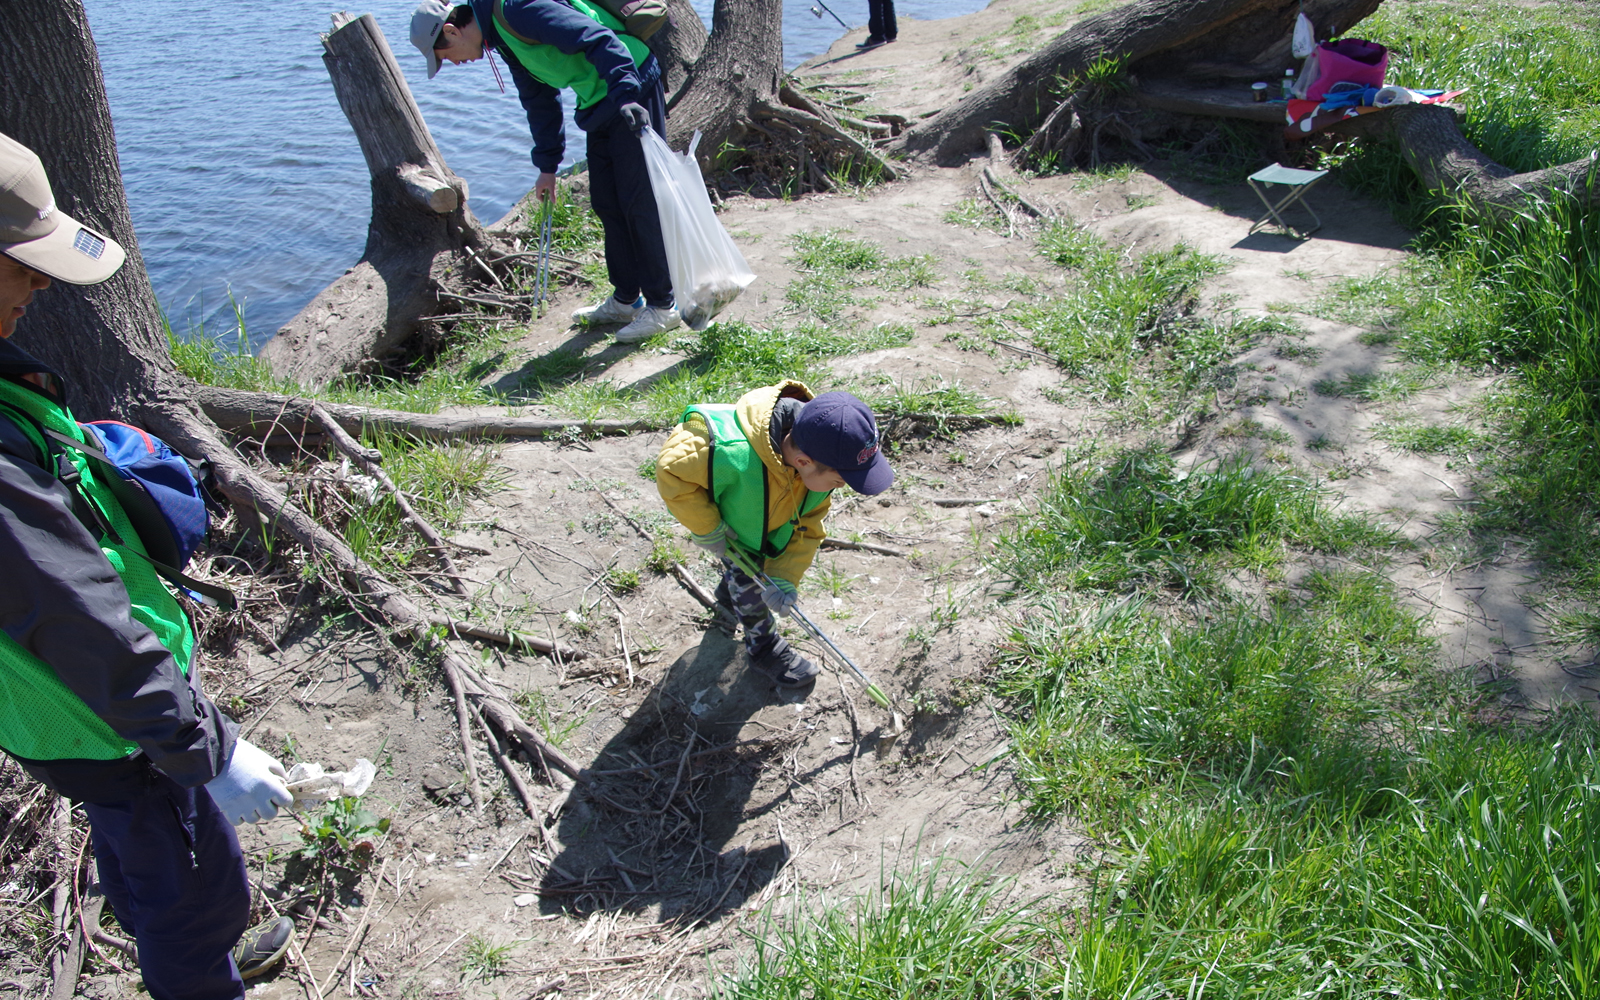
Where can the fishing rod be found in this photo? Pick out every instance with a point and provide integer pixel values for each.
(825, 7)
(810, 627)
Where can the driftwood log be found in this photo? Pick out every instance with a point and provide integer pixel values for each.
(264, 414)
(420, 225)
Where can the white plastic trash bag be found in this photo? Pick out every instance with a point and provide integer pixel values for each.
(708, 271)
(310, 785)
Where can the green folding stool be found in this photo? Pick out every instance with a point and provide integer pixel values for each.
(1298, 182)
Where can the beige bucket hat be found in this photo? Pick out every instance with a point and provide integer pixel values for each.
(35, 232)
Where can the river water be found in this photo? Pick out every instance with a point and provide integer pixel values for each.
(243, 175)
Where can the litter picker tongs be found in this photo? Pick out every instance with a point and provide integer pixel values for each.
(541, 281)
(874, 692)
(825, 7)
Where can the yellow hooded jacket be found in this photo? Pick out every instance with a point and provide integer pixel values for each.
(683, 476)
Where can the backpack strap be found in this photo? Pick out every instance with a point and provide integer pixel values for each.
(136, 503)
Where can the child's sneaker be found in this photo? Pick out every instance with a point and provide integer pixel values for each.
(608, 312)
(786, 667)
(649, 323)
(262, 946)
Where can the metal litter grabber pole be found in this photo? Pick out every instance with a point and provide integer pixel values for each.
(825, 7)
(810, 627)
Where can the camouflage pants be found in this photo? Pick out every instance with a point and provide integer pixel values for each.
(743, 595)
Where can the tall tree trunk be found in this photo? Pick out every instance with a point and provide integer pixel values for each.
(678, 44)
(737, 73)
(1159, 37)
(420, 220)
(736, 98)
(108, 340)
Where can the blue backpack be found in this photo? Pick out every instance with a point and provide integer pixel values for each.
(157, 488)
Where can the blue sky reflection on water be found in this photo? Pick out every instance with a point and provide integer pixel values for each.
(243, 174)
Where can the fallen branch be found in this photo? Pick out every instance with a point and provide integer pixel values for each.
(498, 709)
(258, 413)
(841, 543)
(452, 677)
(511, 640)
(363, 457)
(508, 767)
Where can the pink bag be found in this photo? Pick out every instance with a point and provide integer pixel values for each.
(1349, 60)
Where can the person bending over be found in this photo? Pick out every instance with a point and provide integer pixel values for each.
(758, 475)
(551, 45)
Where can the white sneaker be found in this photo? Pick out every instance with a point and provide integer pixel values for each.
(609, 311)
(650, 322)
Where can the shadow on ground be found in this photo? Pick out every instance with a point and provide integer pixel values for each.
(670, 792)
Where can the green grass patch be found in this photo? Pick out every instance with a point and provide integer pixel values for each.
(722, 363)
(1429, 439)
(1126, 327)
(937, 932)
(1377, 387)
(1132, 520)
(439, 480)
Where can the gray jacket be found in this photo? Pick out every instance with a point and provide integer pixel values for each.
(62, 601)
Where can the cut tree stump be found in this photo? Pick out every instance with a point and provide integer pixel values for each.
(420, 224)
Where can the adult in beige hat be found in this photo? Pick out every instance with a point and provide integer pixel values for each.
(99, 695)
(39, 241)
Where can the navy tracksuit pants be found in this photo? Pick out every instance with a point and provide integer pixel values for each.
(171, 868)
(620, 192)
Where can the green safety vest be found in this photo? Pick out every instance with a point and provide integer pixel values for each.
(550, 65)
(739, 482)
(40, 717)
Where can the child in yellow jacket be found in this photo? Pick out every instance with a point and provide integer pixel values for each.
(758, 475)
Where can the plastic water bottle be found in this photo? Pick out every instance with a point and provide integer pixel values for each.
(1288, 82)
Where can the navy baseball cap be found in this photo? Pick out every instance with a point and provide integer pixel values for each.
(837, 430)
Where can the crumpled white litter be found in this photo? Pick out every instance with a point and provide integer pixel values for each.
(311, 785)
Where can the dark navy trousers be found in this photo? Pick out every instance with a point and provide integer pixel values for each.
(619, 190)
(171, 868)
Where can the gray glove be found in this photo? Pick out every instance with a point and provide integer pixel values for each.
(714, 541)
(637, 117)
(779, 595)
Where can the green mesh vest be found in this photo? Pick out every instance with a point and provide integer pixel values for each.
(40, 717)
(550, 65)
(739, 482)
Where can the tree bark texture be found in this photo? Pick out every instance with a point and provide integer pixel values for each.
(738, 70)
(735, 97)
(420, 221)
(1156, 37)
(108, 340)
(678, 44)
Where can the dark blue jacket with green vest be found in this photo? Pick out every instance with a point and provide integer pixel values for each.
(605, 69)
(94, 649)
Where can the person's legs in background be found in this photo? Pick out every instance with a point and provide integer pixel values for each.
(171, 868)
(620, 191)
(881, 26)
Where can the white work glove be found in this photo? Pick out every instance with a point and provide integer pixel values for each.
(253, 786)
(780, 596)
(716, 540)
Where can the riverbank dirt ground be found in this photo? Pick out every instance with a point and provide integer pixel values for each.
(740, 802)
